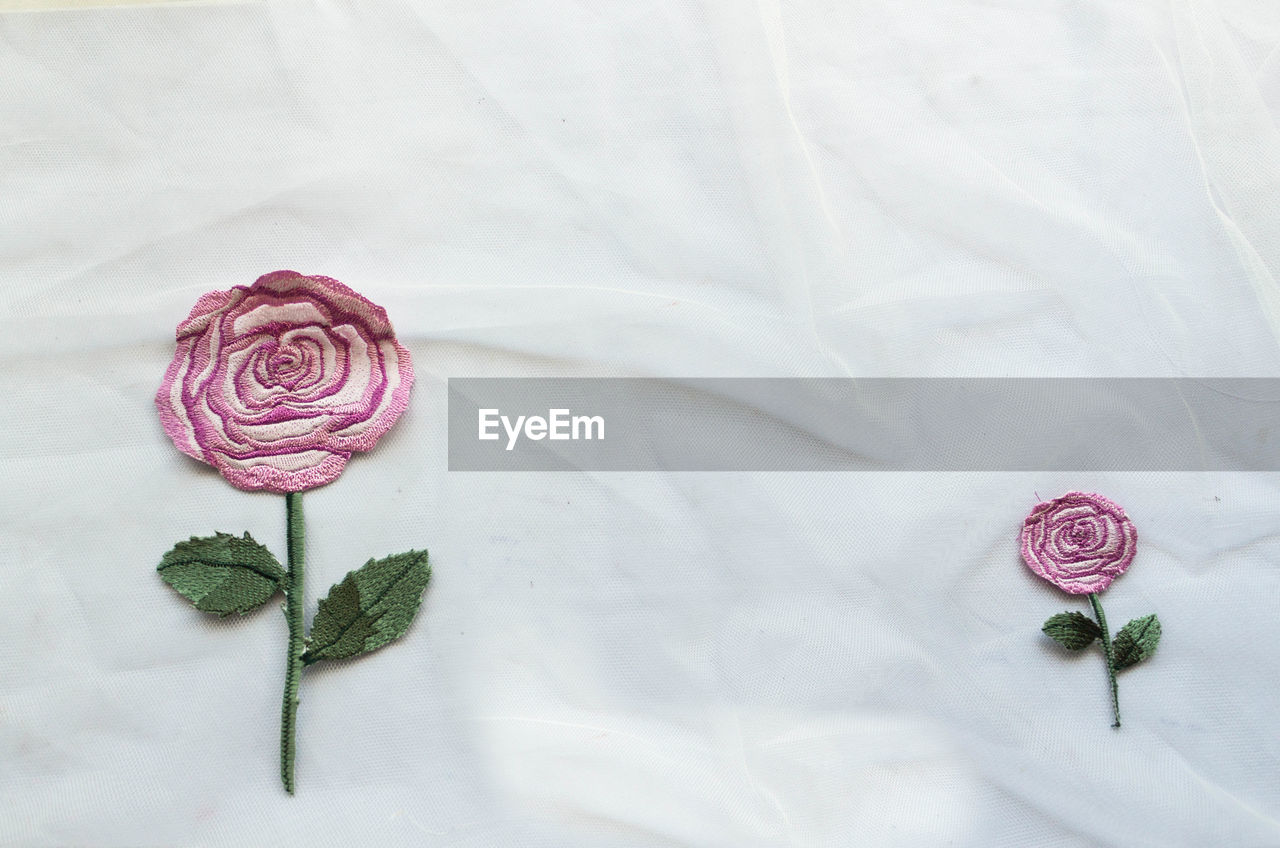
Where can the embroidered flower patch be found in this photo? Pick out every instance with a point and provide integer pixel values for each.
(276, 385)
(1081, 543)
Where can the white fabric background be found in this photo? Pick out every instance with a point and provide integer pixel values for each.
(651, 187)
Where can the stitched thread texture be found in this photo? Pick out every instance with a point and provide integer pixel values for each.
(222, 573)
(369, 608)
(1081, 542)
(276, 383)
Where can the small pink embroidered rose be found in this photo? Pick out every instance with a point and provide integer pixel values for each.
(277, 383)
(1079, 542)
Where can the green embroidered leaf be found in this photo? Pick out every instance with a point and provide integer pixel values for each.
(1072, 630)
(371, 606)
(1136, 641)
(222, 573)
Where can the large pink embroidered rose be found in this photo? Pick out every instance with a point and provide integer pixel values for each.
(275, 384)
(1079, 542)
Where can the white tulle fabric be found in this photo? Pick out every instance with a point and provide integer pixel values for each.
(670, 189)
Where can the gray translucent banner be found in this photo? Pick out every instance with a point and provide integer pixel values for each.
(1018, 424)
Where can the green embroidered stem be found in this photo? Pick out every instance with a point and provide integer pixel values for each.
(293, 601)
(1111, 657)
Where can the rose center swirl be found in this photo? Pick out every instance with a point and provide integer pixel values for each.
(284, 362)
(1083, 533)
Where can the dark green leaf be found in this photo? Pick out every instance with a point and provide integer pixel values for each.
(371, 606)
(222, 573)
(1072, 630)
(1136, 641)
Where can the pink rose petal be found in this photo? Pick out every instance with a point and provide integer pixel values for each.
(277, 383)
(1079, 542)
